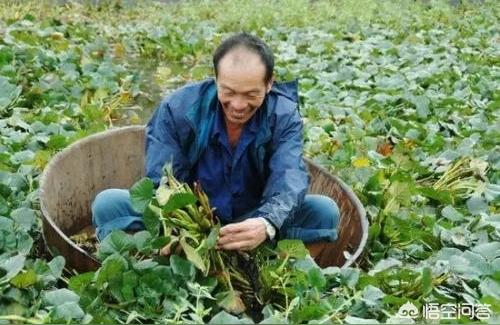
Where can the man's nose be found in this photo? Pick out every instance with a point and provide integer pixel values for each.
(239, 103)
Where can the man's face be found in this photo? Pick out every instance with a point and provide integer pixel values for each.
(241, 88)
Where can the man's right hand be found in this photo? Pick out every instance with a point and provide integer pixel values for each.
(245, 235)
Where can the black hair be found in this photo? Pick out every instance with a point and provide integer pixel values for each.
(251, 43)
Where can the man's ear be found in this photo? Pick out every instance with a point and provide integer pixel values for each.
(270, 85)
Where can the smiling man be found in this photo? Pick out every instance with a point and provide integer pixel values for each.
(240, 137)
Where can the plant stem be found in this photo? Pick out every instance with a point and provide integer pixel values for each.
(344, 304)
(237, 276)
(165, 228)
(223, 270)
(21, 319)
(280, 268)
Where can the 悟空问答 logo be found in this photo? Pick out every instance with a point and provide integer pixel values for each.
(408, 310)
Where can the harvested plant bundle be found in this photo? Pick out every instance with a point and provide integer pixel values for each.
(189, 226)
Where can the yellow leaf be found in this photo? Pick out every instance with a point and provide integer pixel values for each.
(134, 119)
(119, 50)
(361, 162)
(41, 159)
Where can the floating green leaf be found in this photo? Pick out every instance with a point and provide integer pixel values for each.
(12, 266)
(24, 217)
(24, 280)
(225, 318)
(9, 93)
(60, 296)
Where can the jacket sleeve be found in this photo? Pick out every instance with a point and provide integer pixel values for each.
(163, 146)
(288, 179)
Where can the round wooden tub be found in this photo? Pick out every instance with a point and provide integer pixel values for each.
(115, 158)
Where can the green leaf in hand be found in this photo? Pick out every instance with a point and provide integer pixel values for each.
(141, 194)
(178, 201)
(163, 194)
(212, 237)
(193, 256)
(151, 218)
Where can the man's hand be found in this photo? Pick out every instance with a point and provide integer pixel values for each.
(245, 235)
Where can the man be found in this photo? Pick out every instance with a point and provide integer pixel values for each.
(240, 136)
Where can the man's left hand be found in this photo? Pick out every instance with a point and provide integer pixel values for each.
(245, 235)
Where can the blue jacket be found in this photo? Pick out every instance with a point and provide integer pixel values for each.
(179, 131)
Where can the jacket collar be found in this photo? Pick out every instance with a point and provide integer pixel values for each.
(288, 89)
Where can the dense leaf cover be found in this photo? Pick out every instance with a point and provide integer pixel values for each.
(399, 99)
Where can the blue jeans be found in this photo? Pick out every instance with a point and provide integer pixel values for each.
(315, 220)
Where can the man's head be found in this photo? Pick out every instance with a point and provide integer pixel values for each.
(244, 72)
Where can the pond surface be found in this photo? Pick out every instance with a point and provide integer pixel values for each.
(154, 86)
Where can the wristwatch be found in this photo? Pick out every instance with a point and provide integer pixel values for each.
(270, 230)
